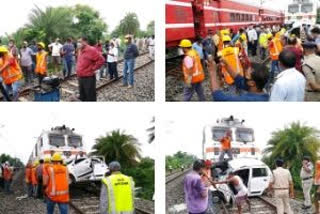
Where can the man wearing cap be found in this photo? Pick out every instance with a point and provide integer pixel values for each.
(117, 192)
(311, 70)
(306, 174)
(130, 55)
(195, 189)
(10, 72)
(192, 71)
(56, 181)
(41, 68)
(26, 62)
(282, 186)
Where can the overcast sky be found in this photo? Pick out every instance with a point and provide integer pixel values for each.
(183, 126)
(21, 124)
(111, 11)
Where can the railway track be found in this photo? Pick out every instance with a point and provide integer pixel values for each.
(172, 177)
(259, 205)
(69, 86)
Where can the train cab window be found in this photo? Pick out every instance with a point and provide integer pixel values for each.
(259, 172)
(219, 132)
(307, 8)
(74, 141)
(57, 140)
(244, 135)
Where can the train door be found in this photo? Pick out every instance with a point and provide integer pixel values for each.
(259, 180)
(199, 21)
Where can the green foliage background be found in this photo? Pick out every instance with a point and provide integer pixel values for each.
(16, 162)
(178, 160)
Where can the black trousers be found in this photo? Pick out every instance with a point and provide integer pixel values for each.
(112, 66)
(87, 89)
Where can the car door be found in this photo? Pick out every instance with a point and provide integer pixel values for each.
(82, 167)
(259, 180)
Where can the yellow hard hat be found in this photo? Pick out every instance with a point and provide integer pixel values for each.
(42, 44)
(269, 36)
(3, 49)
(36, 163)
(185, 43)
(56, 157)
(225, 32)
(226, 39)
(47, 159)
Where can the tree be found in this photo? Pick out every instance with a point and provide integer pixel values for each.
(291, 144)
(129, 24)
(118, 146)
(150, 28)
(89, 22)
(50, 23)
(179, 159)
(16, 162)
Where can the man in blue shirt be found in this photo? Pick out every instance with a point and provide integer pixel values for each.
(253, 83)
(68, 52)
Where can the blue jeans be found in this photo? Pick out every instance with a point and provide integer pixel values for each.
(7, 185)
(63, 207)
(14, 88)
(128, 71)
(68, 62)
(189, 91)
(275, 69)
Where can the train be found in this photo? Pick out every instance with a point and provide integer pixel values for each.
(81, 166)
(186, 19)
(246, 162)
(302, 11)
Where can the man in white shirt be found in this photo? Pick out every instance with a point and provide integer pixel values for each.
(55, 49)
(290, 83)
(253, 40)
(112, 60)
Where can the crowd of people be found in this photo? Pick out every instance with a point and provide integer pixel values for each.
(22, 66)
(260, 63)
(48, 180)
(199, 199)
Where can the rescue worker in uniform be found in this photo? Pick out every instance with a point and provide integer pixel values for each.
(7, 176)
(226, 146)
(311, 70)
(34, 179)
(56, 182)
(41, 62)
(28, 179)
(231, 56)
(275, 48)
(282, 186)
(192, 71)
(306, 174)
(317, 184)
(39, 174)
(10, 72)
(117, 192)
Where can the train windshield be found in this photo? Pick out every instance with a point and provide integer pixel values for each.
(293, 8)
(57, 140)
(219, 132)
(75, 141)
(244, 135)
(307, 8)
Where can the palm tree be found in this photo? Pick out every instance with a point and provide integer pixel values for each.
(117, 145)
(129, 24)
(51, 22)
(151, 131)
(291, 144)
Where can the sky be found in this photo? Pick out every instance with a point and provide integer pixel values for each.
(20, 125)
(111, 11)
(182, 127)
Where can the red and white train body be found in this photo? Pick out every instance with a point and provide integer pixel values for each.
(188, 18)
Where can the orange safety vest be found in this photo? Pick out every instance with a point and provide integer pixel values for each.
(45, 168)
(34, 180)
(58, 185)
(275, 49)
(28, 175)
(231, 56)
(317, 174)
(13, 72)
(7, 174)
(41, 63)
(196, 70)
(226, 143)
